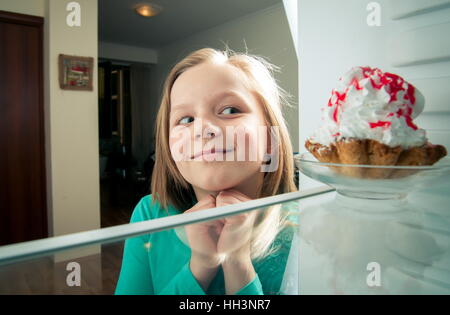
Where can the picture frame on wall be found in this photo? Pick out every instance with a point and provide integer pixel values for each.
(75, 72)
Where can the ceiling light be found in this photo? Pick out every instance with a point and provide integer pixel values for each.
(148, 9)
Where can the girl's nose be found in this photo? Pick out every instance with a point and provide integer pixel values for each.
(209, 131)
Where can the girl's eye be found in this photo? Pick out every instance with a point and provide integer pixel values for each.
(231, 108)
(184, 119)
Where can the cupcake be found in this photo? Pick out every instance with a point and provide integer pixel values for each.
(369, 120)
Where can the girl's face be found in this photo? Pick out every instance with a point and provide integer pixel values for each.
(212, 108)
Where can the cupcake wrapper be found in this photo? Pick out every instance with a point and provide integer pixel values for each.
(372, 152)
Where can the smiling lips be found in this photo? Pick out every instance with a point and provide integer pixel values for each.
(212, 151)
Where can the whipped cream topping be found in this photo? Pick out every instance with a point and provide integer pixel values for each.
(370, 104)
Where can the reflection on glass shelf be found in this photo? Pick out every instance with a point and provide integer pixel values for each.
(335, 244)
(57, 274)
(354, 245)
(162, 262)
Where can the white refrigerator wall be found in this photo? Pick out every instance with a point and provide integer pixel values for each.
(410, 38)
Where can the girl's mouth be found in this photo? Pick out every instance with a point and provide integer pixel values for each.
(211, 152)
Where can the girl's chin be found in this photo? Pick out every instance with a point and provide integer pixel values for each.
(215, 184)
(215, 188)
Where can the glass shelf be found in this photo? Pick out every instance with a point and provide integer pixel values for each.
(337, 249)
(355, 245)
(51, 266)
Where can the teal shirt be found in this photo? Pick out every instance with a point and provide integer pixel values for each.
(158, 263)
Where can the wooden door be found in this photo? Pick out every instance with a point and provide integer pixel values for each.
(23, 209)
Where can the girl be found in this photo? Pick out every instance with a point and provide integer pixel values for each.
(203, 161)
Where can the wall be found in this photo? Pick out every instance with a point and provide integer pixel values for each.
(115, 51)
(71, 124)
(265, 32)
(33, 7)
(291, 10)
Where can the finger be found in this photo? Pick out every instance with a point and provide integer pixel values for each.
(237, 192)
(213, 224)
(201, 206)
(227, 200)
(241, 197)
(219, 224)
(207, 200)
(237, 223)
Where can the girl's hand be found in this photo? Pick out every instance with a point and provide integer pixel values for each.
(203, 236)
(237, 230)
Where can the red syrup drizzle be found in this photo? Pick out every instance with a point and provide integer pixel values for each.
(380, 124)
(394, 84)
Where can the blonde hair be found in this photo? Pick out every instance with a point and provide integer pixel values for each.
(169, 186)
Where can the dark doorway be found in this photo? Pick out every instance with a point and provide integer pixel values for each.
(120, 183)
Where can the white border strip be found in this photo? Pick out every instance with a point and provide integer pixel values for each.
(33, 249)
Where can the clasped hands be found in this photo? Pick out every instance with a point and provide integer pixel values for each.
(222, 239)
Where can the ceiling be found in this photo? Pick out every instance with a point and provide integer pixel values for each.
(118, 23)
